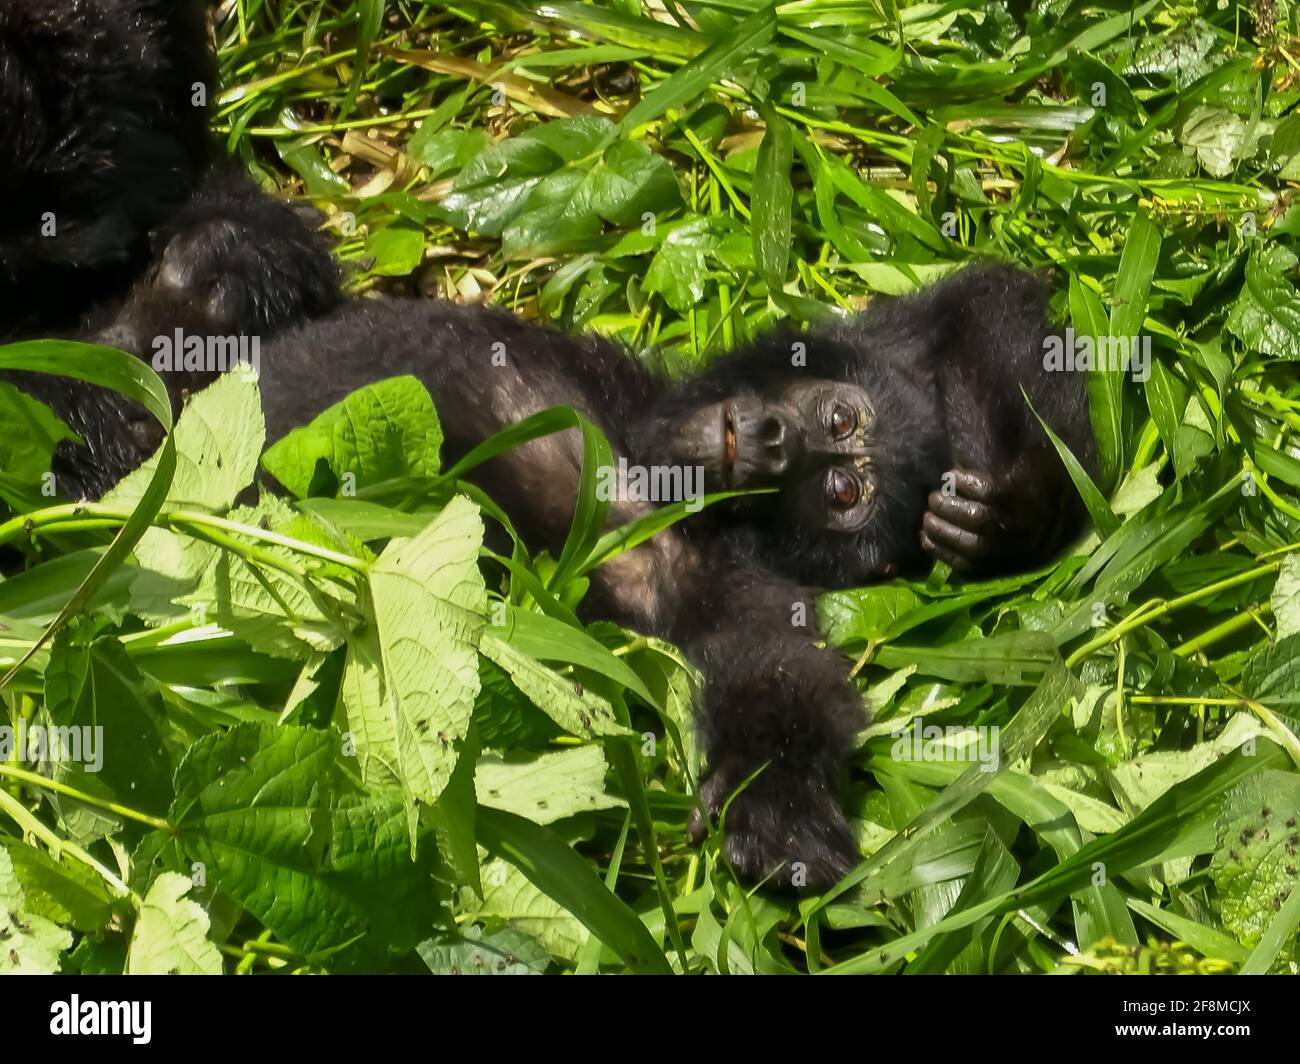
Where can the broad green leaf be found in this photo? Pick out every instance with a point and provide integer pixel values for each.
(1139, 782)
(632, 181)
(864, 615)
(99, 694)
(30, 432)
(531, 913)
(1266, 315)
(63, 891)
(488, 194)
(1215, 136)
(275, 612)
(383, 431)
(429, 603)
(1254, 866)
(1286, 597)
(171, 934)
(504, 952)
(1272, 676)
(259, 807)
(395, 251)
(252, 805)
(32, 943)
(547, 788)
(576, 710)
(218, 438)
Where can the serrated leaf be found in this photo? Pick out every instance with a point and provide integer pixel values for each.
(1255, 864)
(258, 807)
(218, 439)
(219, 436)
(63, 891)
(273, 611)
(576, 710)
(32, 945)
(506, 890)
(171, 935)
(504, 952)
(1215, 135)
(1266, 315)
(383, 431)
(547, 788)
(1286, 597)
(117, 716)
(1272, 676)
(430, 603)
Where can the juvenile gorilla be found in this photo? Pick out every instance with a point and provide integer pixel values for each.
(118, 226)
(899, 436)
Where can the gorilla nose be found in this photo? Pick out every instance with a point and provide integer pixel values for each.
(774, 444)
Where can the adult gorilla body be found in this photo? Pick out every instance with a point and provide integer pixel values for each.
(118, 224)
(901, 435)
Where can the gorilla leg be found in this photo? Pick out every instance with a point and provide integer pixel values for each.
(778, 718)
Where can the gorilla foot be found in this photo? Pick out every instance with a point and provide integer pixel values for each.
(790, 839)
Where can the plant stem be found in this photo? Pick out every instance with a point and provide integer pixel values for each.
(1142, 617)
(37, 780)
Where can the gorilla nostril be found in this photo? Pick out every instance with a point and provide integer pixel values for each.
(773, 432)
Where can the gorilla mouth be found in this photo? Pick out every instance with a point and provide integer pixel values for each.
(728, 442)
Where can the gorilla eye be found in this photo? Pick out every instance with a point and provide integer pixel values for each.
(843, 421)
(842, 490)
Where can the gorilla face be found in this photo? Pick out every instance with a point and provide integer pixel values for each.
(813, 439)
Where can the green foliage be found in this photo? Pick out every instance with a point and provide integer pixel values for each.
(339, 733)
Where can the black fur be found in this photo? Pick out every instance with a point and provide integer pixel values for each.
(96, 96)
(103, 119)
(99, 129)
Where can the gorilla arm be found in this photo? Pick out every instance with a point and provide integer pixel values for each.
(1008, 502)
